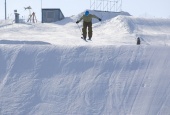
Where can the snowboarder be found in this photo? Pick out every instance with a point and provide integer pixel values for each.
(87, 22)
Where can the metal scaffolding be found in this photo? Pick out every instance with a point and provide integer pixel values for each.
(106, 5)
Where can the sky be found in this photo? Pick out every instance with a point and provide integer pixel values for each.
(144, 8)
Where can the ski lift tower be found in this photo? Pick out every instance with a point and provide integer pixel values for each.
(106, 5)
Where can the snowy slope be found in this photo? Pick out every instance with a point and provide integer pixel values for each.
(46, 69)
(87, 81)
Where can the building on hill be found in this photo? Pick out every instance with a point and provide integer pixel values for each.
(51, 15)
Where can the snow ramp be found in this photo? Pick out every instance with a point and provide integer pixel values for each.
(84, 80)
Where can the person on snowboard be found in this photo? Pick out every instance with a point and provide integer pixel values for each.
(87, 22)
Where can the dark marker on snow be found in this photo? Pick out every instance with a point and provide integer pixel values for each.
(138, 41)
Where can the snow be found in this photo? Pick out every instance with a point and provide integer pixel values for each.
(47, 69)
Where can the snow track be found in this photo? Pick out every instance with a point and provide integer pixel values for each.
(109, 80)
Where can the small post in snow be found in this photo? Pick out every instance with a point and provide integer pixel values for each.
(138, 41)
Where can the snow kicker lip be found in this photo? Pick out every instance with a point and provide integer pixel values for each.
(24, 42)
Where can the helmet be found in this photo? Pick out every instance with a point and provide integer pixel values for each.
(86, 13)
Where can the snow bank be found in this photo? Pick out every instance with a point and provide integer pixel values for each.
(108, 80)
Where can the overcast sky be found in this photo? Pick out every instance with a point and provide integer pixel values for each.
(148, 8)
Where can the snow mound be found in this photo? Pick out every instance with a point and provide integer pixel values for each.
(153, 31)
(53, 80)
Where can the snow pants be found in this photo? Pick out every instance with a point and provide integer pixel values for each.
(84, 29)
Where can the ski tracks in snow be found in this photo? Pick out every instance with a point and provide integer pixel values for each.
(114, 80)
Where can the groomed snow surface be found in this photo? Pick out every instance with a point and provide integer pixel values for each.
(47, 69)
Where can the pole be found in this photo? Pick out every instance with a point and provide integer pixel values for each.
(5, 9)
(79, 28)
